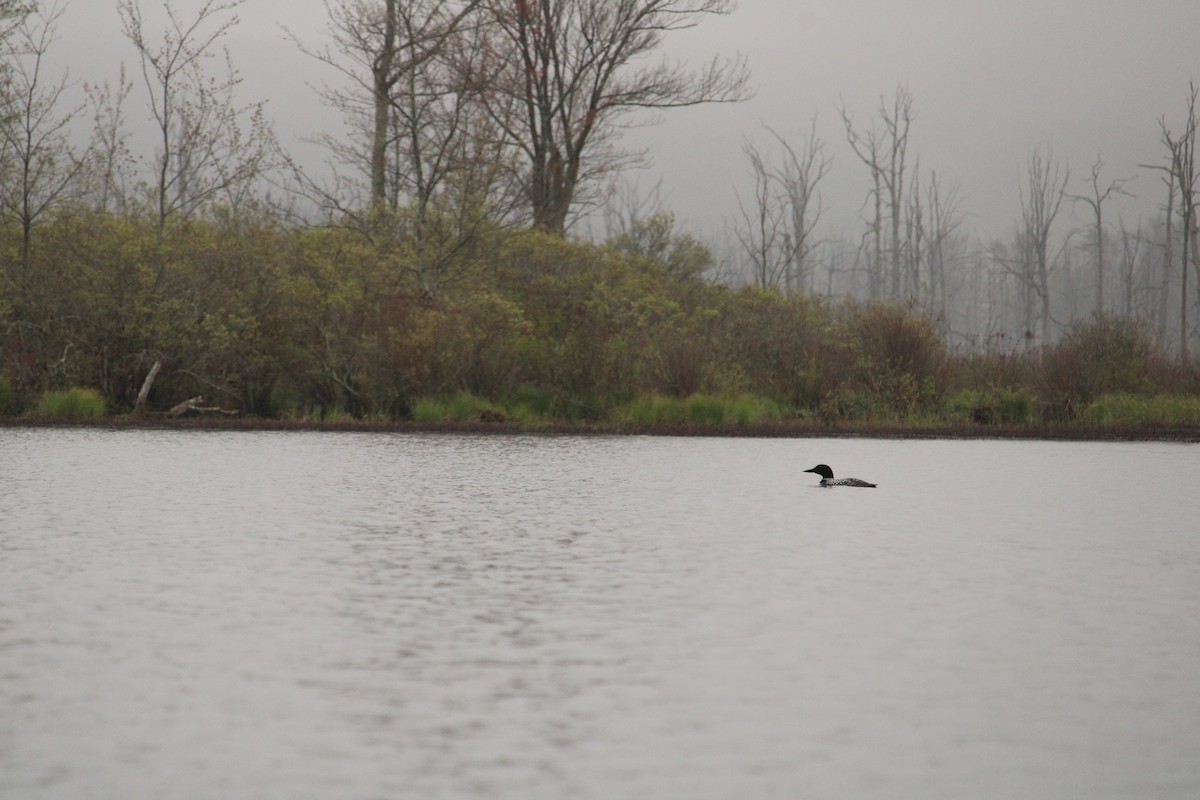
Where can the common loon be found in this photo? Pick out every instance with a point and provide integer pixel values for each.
(827, 478)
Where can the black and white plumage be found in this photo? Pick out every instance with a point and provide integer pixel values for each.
(827, 478)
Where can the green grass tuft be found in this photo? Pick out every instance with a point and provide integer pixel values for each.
(73, 403)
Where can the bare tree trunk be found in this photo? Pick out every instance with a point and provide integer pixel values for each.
(383, 78)
(1168, 259)
(887, 161)
(1041, 201)
(139, 407)
(1095, 201)
(798, 180)
(1183, 165)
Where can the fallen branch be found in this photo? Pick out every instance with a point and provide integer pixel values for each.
(192, 406)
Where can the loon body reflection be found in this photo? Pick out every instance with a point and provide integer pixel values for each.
(827, 478)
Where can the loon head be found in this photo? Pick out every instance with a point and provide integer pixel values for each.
(823, 470)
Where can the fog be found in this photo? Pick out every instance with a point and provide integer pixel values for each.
(990, 81)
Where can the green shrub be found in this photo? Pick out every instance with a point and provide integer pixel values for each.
(6, 397)
(74, 403)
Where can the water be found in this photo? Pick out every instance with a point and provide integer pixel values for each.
(292, 615)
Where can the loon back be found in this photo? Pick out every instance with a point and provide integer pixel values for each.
(827, 478)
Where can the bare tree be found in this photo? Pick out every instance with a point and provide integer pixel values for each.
(1164, 294)
(885, 154)
(204, 150)
(566, 72)
(43, 168)
(941, 205)
(628, 206)
(1131, 255)
(1042, 194)
(394, 54)
(111, 160)
(1095, 201)
(798, 179)
(1182, 148)
(764, 231)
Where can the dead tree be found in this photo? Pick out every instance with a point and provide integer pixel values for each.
(1182, 148)
(1095, 201)
(763, 231)
(1042, 194)
(885, 156)
(798, 180)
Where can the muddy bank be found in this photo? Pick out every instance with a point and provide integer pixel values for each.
(783, 430)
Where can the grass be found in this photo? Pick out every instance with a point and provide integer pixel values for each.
(1169, 410)
(73, 403)
(1007, 406)
(460, 407)
(699, 409)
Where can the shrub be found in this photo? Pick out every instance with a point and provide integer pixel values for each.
(772, 344)
(1106, 354)
(897, 357)
(6, 397)
(74, 403)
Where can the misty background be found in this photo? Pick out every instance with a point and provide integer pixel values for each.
(990, 81)
(1082, 82)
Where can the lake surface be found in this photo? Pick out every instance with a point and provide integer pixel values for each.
(321, 615)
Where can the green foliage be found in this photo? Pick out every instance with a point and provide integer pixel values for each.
(332, 324)
(1167, 410)
(655, 240)
(459, 407)
(74, 403)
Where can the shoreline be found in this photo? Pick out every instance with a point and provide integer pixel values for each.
(768, 430)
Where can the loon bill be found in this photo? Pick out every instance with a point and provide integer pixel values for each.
(827, 478)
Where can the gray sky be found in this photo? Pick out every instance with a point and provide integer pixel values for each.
(990, 79)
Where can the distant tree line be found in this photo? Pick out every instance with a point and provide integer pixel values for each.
(429, 256)
(1016, 293)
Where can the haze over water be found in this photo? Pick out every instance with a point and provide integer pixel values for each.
(311, 615)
